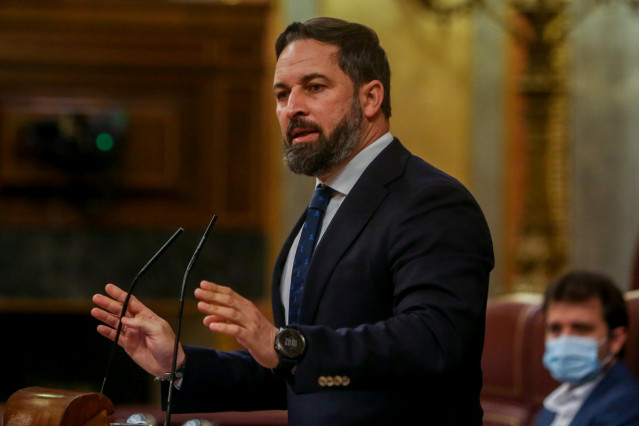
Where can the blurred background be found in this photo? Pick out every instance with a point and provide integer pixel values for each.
(121, 121)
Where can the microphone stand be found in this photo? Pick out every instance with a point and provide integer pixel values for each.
(167, 420)
(125, 305)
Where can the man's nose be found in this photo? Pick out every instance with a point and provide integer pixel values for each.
(296, 105)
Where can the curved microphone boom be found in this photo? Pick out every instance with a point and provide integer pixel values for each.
(169, 399)
(125, 305)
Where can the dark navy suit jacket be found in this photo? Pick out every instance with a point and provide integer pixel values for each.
(613, 402)
(393, 311)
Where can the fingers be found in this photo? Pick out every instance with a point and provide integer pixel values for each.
(109, 319)
(230, 314)
(227, 312)
(109, 311)
(222, 312)
(115, 292)
(221, 304)
(212, 318)
(135, 306)
(111, 324)
(219, 295)
(210, 292)
(107, 304)
(223, 307)
(107, 332)
(110, 333)
(155, 326)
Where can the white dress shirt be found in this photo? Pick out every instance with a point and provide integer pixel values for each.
(342, 181)
(565, 401)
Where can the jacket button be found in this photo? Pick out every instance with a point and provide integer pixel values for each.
(330, 381)
(346, 381)
(338, 380)
(321, 381)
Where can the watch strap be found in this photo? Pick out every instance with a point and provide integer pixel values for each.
(285, 366)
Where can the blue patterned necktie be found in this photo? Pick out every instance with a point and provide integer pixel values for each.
(310, 234)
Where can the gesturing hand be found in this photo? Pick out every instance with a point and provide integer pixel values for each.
(230, 314)
(148, 339)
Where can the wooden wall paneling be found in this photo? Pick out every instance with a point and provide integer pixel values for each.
(188, 79)
(186, 76)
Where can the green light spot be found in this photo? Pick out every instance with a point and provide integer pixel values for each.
(104, 141)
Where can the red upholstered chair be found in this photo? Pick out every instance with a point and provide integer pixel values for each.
(515, 381)
(631, 357)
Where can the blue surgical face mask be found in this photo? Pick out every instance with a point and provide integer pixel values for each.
(573, 359)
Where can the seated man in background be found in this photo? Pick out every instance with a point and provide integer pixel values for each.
(586, 329)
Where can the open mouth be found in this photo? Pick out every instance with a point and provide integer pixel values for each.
(302, 134)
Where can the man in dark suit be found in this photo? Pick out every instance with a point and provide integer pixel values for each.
(386, 322)
(586, 329)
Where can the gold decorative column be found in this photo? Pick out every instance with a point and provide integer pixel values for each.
(540, 27)
(541, 249)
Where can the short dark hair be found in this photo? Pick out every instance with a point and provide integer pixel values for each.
(360, 56)
(579, 286)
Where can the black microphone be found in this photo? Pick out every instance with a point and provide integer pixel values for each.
(125, 305)
(169, 399)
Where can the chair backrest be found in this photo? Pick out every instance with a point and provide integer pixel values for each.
(515, 381)
(631, 357)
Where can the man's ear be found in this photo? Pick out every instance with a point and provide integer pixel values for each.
(371, 95)
(618, 337)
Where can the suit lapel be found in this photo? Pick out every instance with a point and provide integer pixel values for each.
(352, 216)
(545, 418)
(607, 384)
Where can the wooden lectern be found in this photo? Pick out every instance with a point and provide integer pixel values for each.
(38, 406)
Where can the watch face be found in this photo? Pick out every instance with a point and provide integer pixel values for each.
(290, 343)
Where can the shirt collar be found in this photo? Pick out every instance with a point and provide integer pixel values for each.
(344, 179)
(568, 399)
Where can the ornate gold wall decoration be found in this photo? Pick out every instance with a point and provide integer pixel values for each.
(540, 27)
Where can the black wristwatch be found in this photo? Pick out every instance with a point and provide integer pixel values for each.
(290, 346)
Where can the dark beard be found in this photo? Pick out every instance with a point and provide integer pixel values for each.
(319, 157)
